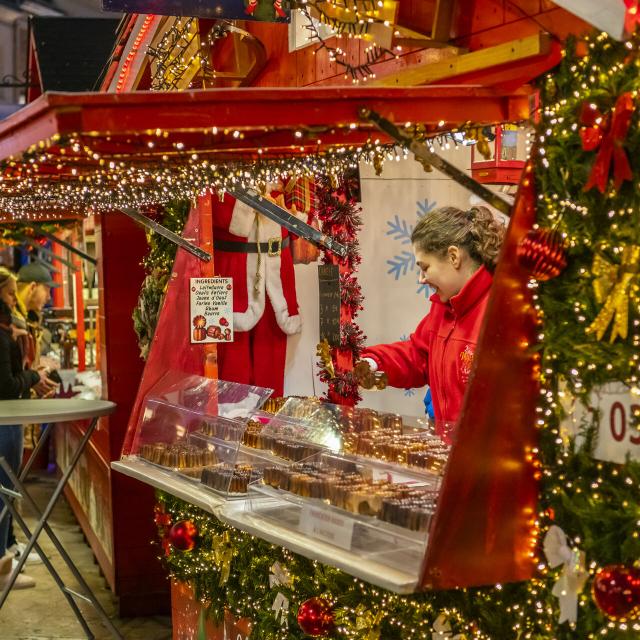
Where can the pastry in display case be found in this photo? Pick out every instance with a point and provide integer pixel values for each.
(360, 432)
(369, 486)
(362, 506)
(193, 427)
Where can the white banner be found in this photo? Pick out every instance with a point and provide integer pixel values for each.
(394, 301)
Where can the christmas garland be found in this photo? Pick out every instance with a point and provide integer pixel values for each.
(157, 264)
(339, 215)
(589, 220)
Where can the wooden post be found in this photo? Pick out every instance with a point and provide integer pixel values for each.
(78, 305)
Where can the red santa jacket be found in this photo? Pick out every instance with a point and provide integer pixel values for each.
(440, 351)
(235, 221)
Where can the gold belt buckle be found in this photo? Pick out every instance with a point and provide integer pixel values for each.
(274, 242)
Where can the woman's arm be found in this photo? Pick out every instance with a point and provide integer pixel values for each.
(13, 386)
(405, 363)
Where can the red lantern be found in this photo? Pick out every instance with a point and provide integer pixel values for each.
(616, 591)
(315, 617)
(183, 535)
(542, 253)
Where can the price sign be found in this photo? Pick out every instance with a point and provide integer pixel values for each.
(617, 435)
(325, 525)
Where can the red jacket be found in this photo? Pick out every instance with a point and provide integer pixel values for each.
(440, 351)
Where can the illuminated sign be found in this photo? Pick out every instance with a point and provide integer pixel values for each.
(259, 10)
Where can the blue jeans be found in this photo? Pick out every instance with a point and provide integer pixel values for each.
(11, 444)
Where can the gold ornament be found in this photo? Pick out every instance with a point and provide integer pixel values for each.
(323, 351)
(223, 555)
(368, 624)
(614, 287)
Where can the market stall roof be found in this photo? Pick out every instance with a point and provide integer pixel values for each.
(97, 150)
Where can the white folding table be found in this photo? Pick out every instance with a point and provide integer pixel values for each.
(50, 412)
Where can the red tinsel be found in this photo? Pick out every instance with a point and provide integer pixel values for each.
(339, 214)
(352, 337)
(351, 293)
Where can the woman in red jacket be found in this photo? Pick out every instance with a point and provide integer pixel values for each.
(456, 252)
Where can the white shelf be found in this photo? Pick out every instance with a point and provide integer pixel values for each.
(171, 483)
(239, 516)
(237, 513)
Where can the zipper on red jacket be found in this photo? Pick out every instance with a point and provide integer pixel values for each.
(446, 344)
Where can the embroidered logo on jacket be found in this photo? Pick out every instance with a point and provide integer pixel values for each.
(466, 362)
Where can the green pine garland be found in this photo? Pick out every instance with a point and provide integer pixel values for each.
(595, 503)
(158, 264)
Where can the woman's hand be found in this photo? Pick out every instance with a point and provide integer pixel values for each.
(45, 388)
(17, 332)
(366, 373)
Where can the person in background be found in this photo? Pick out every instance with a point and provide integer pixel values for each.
(456, 252)
(34, 292)
(26, 343)
(15, 382)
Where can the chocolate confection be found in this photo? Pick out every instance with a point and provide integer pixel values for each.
(228, 479)
(177, 456)
(221, 428)
(395, 503)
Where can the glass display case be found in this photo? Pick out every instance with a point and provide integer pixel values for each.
(351, 478)
(193, 427)
(364, 507)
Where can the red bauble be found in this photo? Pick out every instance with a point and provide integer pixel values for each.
(315, 617)
(183, 535)
(616, 591)
(542, 253)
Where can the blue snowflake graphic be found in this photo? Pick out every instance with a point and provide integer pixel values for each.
(424, 207)
(407, 392)
(403, 262)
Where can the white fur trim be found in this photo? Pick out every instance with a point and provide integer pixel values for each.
(270, 282)
(242, 219)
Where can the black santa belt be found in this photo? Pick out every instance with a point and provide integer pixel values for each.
(273, 246)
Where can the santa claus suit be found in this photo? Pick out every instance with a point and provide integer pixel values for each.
(255, 252)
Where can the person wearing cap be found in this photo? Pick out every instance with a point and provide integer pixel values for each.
(34, 291)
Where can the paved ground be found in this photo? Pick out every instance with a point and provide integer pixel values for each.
(42, 613)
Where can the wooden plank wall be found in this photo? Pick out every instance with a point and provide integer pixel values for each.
(477, 24)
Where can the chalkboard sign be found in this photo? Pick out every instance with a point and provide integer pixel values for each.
(329, 277)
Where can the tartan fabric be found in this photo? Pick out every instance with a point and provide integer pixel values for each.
(301, 193)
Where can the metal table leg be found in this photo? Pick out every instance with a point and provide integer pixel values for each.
(27, 467)
(44, 517)
(47, 563)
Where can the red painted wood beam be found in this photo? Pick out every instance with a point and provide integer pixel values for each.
(99, 114)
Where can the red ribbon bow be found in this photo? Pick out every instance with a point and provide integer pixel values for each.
(632, 16)
(609, 134)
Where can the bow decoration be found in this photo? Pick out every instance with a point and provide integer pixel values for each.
(614, 287)
(607, 134)
(632, 16)
(573, 574)
(223, 555)
(442, 630)
(280, 576)
(368, 624)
